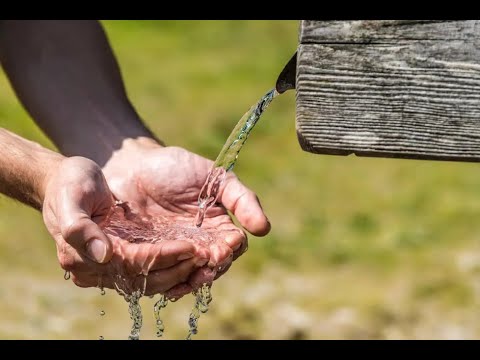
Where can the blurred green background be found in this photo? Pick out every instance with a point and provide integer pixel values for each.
(359, 248)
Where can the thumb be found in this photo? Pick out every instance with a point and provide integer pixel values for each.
(83, 234)
(244, 204)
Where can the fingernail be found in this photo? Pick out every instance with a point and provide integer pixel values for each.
(97, 250)
(185, 256)
(201, 262)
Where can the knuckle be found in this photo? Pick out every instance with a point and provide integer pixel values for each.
(241, 250)
(71, 230)
(67, 262)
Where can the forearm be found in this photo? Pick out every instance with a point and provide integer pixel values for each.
(66, 76)
(24, 168)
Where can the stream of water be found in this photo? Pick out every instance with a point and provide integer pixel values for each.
(229, 154)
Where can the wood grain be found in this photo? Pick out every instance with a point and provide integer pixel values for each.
(408, 89)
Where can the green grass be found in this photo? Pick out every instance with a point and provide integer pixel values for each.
(359, 248)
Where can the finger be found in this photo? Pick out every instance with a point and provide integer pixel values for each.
(87, 238)
(236, 240)
(71, 260)
(162, 280)
(204, 275)
(84, 280)
(143, 258)
(119, 283)
(178, 291)
(244, 204)
(173, 252)
(220, 254)
(125, 260)
(222, 271)
(241, 250)
(81, 232)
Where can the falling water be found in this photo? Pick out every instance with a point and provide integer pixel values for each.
(160, 304)
(135, 312)
(203, 297)
(102, 292)
(229, 154)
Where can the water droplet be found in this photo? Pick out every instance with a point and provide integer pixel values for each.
(102, 292)
(66, 276)
(102, 313)
(101, 337)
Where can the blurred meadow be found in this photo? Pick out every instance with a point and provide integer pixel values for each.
(360, 248)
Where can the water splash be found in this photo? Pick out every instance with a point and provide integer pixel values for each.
(228, 155)
(209, 193)
(127, 224)
(203, 297)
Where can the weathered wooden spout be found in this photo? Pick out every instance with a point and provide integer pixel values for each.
(406, 89)
(287, 78)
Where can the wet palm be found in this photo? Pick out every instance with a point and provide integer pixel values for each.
(77, 206)
(163, 184)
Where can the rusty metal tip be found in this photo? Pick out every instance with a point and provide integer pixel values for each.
(287, 78)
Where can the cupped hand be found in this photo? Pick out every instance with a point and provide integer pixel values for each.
(164, 182)
(76, 206)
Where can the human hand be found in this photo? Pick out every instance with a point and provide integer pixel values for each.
(165, 182)
(77, 204)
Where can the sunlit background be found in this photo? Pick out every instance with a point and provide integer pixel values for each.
(359, 248)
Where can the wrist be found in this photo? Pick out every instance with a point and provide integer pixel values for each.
(49, 163)
(130, 151)
(24, 168)
(140, 143)
(102, 139)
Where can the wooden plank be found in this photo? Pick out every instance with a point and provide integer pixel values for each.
(408, 89)
(378, 31)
